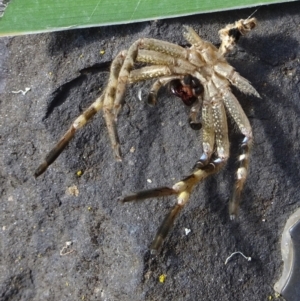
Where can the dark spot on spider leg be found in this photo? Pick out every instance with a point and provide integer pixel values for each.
(196, 126)
(213, 165)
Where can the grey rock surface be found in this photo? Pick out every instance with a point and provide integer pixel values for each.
(109, 258)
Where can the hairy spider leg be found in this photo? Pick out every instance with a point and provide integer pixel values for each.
(236, 112)
(182, 189)
(227, 71)
(208, 52)
(66, 138)
(163, 65)
(215, 132)
(108, 106)
(122, 80)
(194, 123)
(157, 58)
(80, 121)
(208, 135)
(175, 51)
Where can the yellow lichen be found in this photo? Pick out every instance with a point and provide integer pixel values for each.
(162, 278)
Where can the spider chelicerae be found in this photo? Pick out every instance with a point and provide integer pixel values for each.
(201, 77)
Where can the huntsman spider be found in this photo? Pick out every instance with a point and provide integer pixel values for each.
(201, 77)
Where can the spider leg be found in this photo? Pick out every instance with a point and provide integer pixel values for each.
(158, 58)
(80, 121)
(235, 110)
(221, 133)
(207, 51)
(217, 131)
(237, 113)
(65, 139)
(208, 135)
(147, 194)
(123, 76)
(173, 50)
(243, 84)
(152, 97)
(165, 227)
(241, 175)
(227, 71)
(194, 123)
(110, 94)
(164, 47)
(183, 191)
(150, 72)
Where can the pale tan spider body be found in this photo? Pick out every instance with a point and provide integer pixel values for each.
(202, 68)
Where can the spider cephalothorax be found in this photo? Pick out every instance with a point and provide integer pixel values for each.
(201, 77)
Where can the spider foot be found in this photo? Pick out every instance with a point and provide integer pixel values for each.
(196, 126)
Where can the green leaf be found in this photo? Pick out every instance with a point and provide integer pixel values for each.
(33, 16)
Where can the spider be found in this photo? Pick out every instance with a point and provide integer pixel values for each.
(201, 77)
